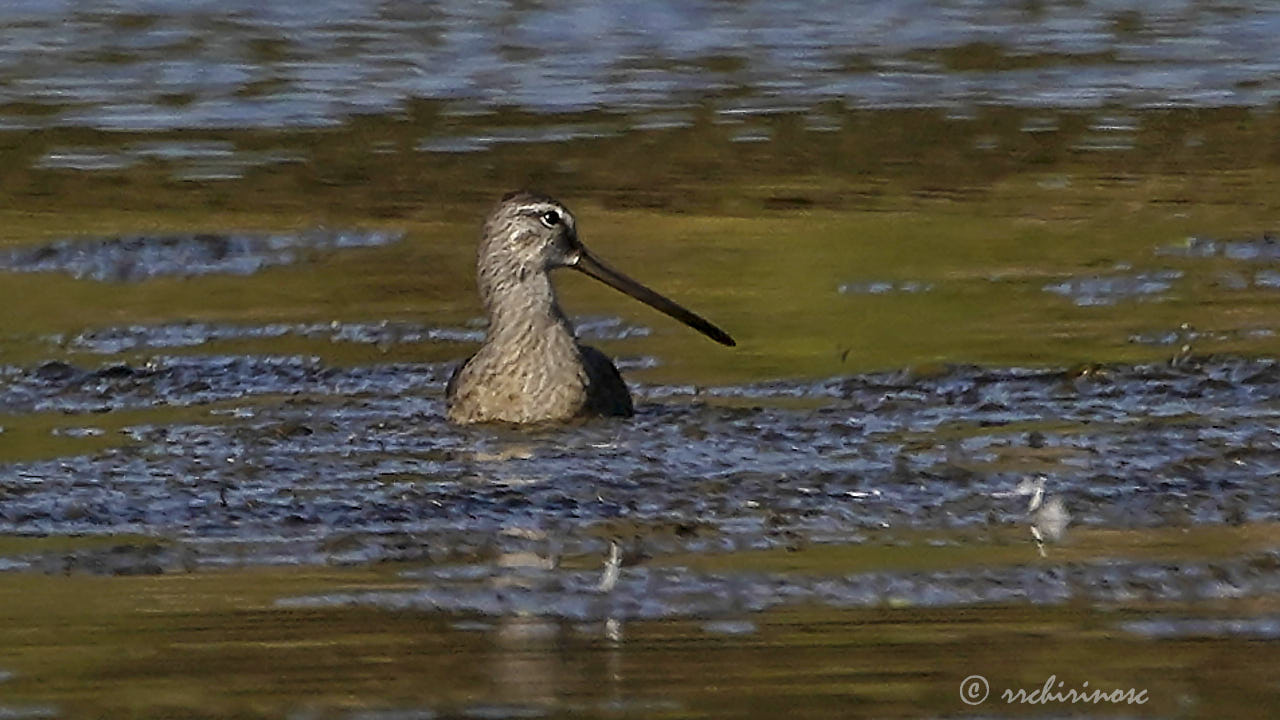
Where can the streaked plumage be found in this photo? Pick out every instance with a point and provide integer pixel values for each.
(531, 367)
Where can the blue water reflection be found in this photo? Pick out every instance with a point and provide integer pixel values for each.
(169, 64)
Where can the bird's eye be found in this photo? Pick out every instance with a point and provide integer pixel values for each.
(551, 218)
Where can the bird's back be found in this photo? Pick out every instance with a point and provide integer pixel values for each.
(607, 393)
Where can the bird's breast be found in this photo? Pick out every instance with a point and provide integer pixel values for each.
(536, 381)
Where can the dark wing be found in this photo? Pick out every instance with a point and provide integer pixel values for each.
(452, 387)
(607, 394)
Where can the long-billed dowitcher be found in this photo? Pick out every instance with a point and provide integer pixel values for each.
(531, 367)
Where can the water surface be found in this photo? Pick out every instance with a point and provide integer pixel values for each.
(1002, 274)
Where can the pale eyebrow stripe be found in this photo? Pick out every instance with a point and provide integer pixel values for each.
(538, 208)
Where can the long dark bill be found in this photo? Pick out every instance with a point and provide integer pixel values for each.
(590, 265)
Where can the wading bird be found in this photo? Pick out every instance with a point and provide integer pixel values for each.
(530, 367)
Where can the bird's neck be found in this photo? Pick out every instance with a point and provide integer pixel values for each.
(523, 311)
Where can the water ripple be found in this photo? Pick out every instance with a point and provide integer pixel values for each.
(298, 65)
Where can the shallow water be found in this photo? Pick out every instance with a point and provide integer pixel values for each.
(285, 660)
(134, 65)
(1004, 401)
